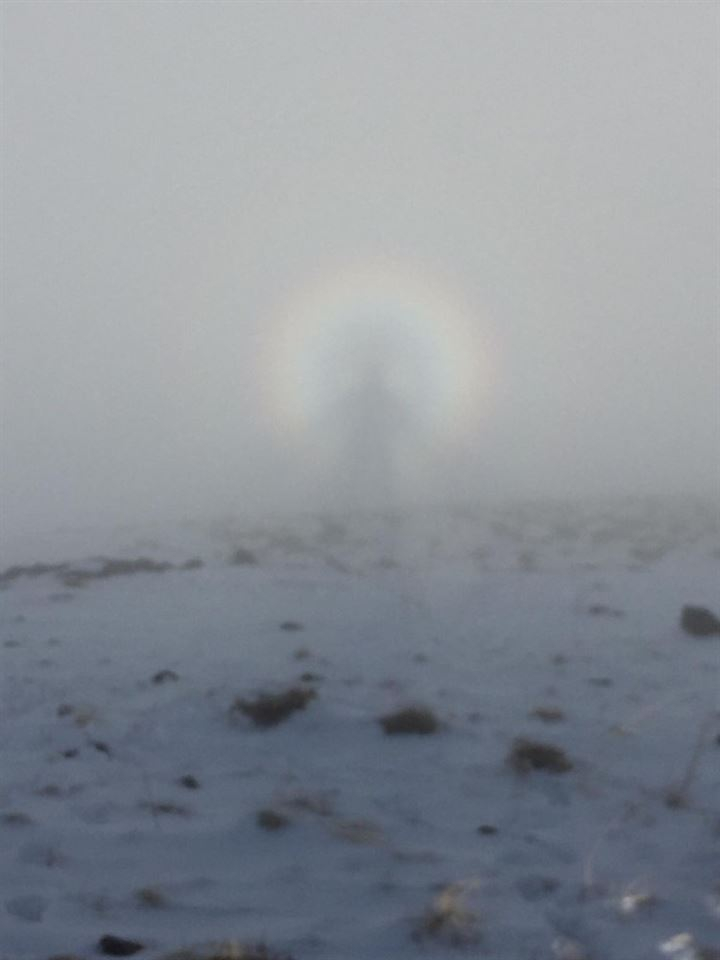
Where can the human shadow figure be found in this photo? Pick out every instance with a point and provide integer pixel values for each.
(368, 422)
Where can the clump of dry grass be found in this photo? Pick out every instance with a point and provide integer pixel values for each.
(44, 856)
(15, 818)
(52, 790)
(676, 799)
(603, 610)
(548, 714)
(229, 950)
(270, 709)
(110, 567)
(360, 832)
(165, 676)
(82, 715)
(310, 677)
(527, 560)
(678, 796)
(189, 781)
(487, 830)
(526, 755)
(320, 803)
(448, 920)
(417, 720)
(151, 897)
(271, 820)
(31, 570)
(242, 557)
(165, 809)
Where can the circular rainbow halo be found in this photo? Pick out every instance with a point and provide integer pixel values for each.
(429, 351)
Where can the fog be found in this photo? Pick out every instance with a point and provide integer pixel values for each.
(268, 255)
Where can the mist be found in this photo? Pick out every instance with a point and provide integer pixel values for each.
(518, 200)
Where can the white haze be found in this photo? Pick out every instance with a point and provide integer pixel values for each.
(175, 172)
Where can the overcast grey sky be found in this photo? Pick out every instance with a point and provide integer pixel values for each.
(175, 171)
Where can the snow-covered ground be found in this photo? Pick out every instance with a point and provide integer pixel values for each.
(482, 615)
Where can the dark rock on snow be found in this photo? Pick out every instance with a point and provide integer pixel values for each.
(526, 755)
(165, 676)
(118, 946)
(242, 558)
(271, 820)
(699, 622)
(189, 782)
(413, 720)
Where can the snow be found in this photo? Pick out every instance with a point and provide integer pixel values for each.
(482, 615)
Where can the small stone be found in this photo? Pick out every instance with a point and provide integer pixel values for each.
(15, 818)
(165, 676)
(410, 720)
(271, 820)
(242, 558)
(676, 799)
(526, 755)
(699, 622)
(28, 908)
(189, 782)
(118, 946)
